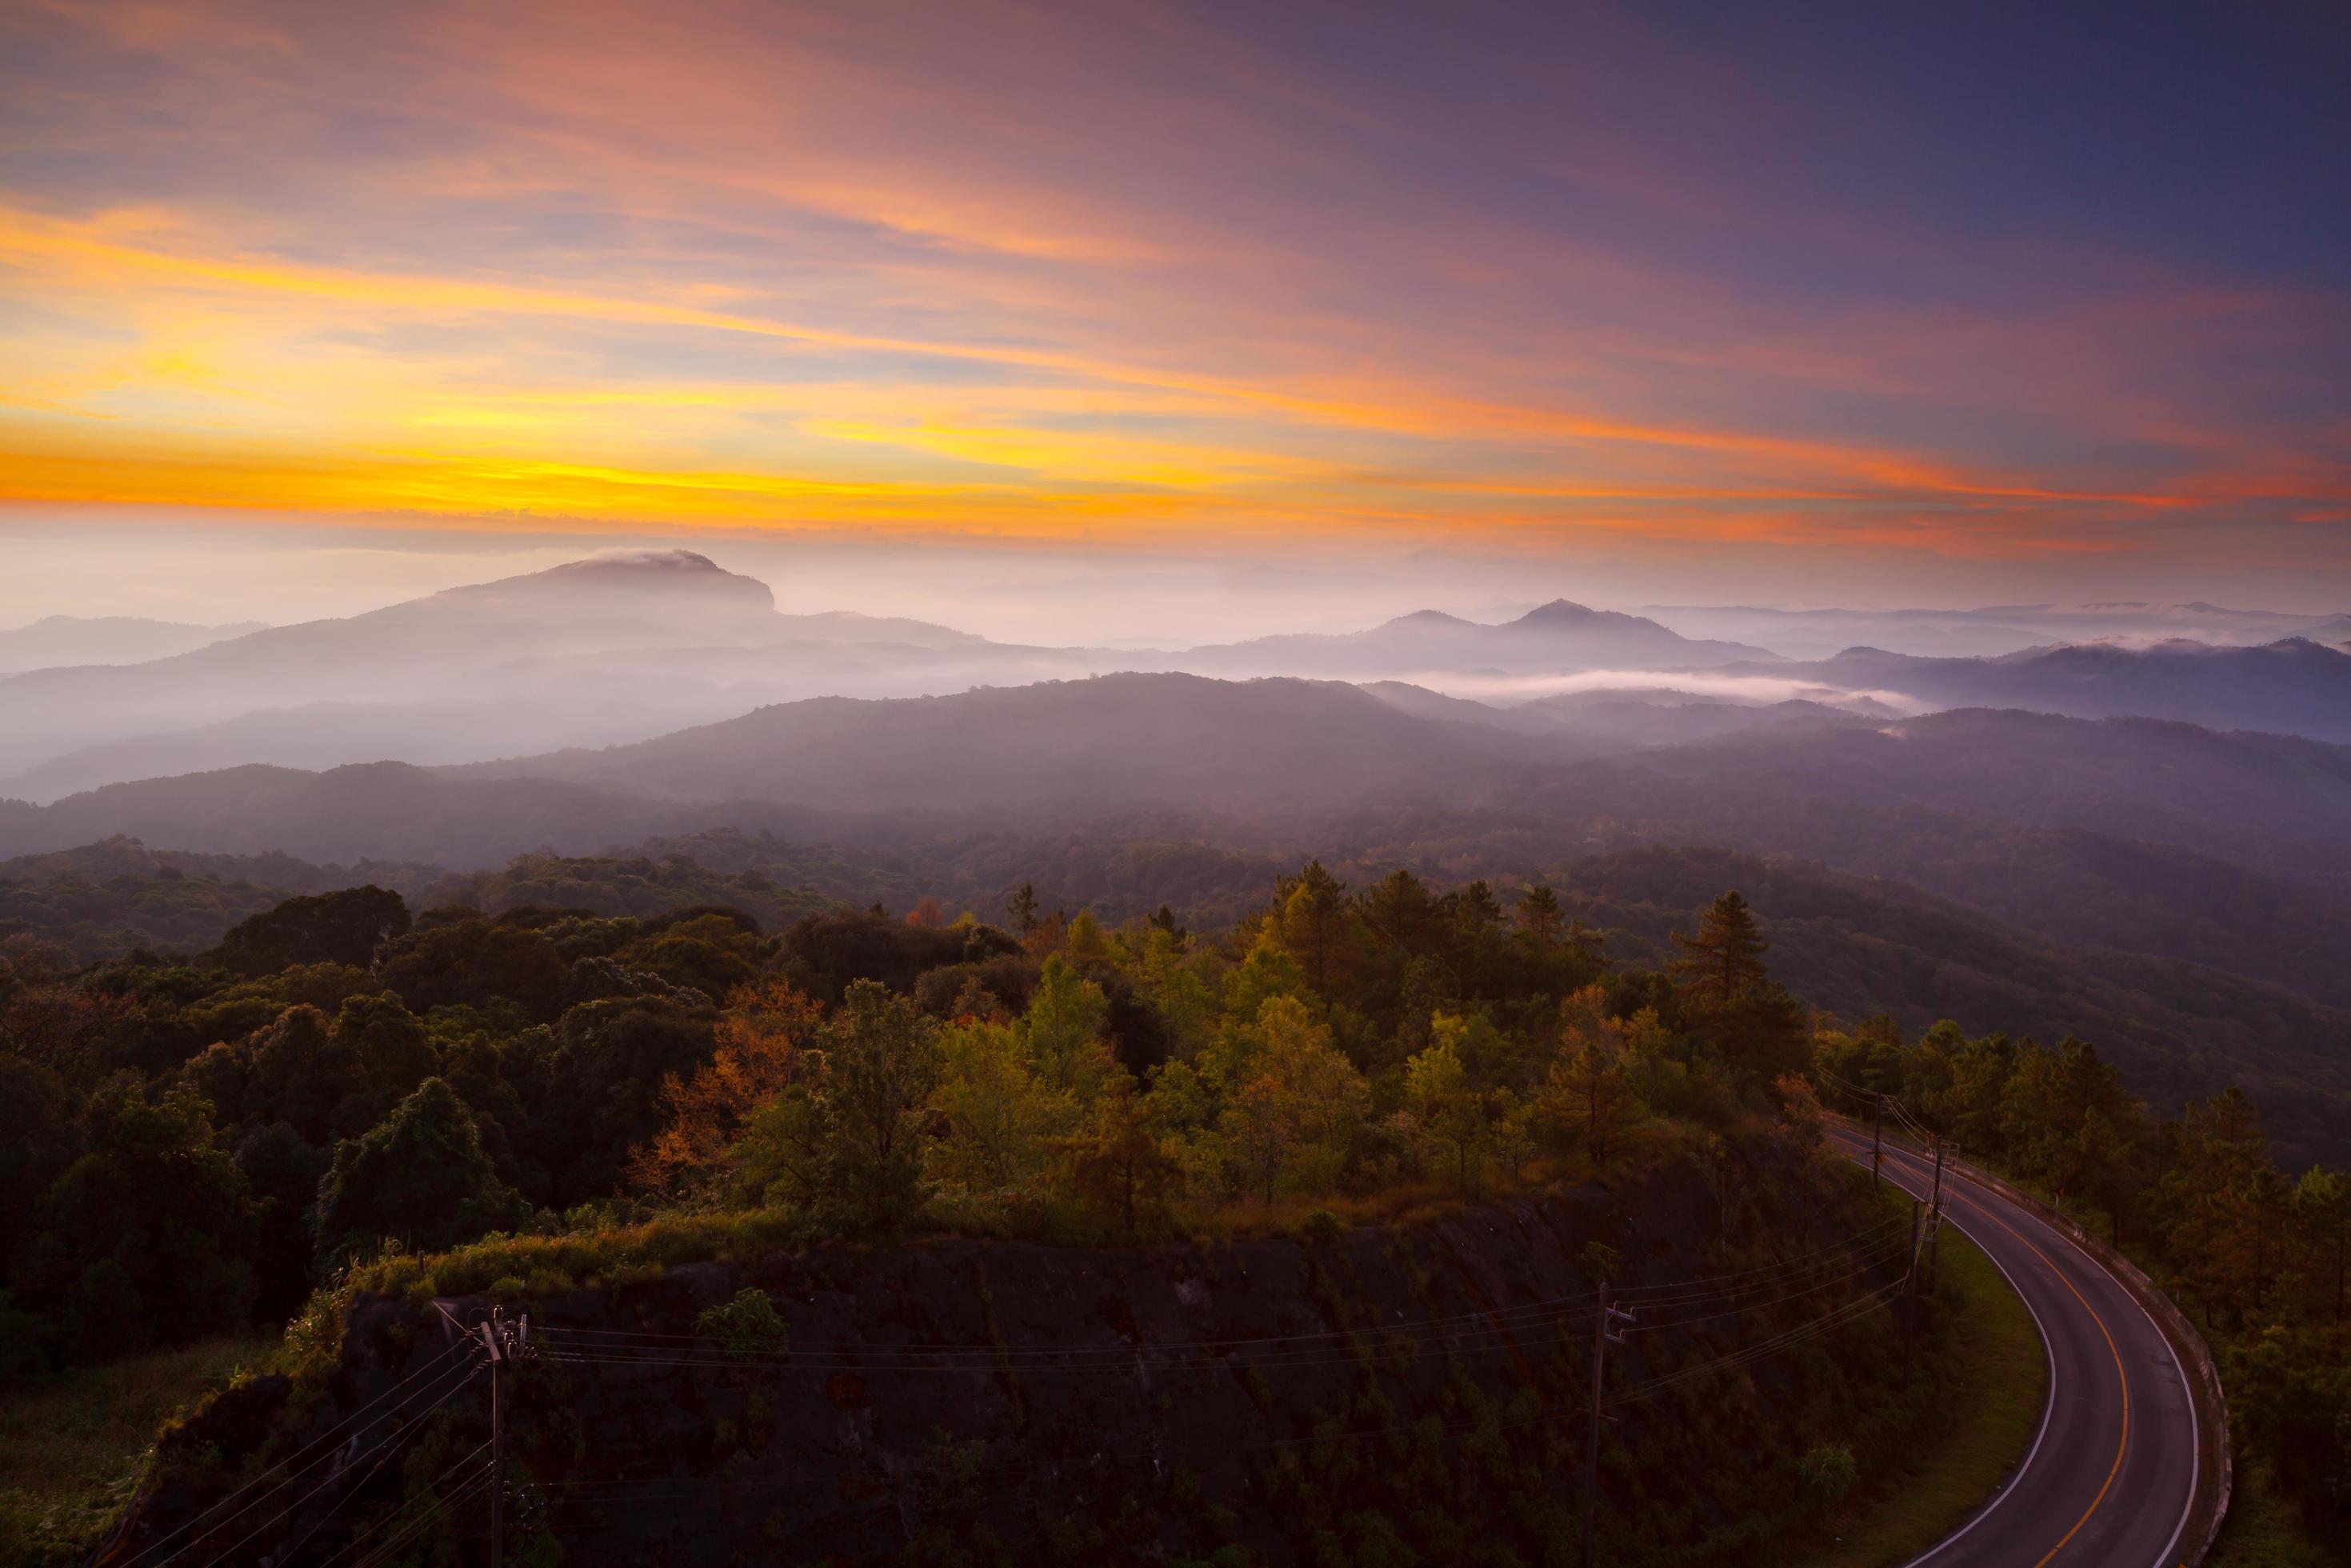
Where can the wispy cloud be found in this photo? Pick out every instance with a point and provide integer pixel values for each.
(1040, 271)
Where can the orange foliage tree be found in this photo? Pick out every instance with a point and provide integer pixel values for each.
(768, 1027)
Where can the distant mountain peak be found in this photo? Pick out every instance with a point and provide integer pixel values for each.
(1559, 612)
(643, 560)
(617, 580)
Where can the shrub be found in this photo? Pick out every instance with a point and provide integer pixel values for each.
(745, 1326)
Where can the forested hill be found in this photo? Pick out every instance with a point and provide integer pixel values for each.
(1252, 750)
(1855, 946)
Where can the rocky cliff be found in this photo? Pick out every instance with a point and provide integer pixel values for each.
(1418, 1393)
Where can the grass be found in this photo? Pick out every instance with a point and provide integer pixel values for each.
(1993, 1415)
(72, 1449)
(2263, 1531)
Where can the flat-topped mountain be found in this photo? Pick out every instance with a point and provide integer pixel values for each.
(612, 648)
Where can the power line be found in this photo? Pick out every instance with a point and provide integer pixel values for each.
(697, 1349)
(329, 1433)
(439, 1399)
(430, 1491)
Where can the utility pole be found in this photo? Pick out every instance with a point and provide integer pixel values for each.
(1876, 1140)
(490, 1337)
(504, 1341)
(1601, 1338)
(1909, 1297)
(1934, 1225)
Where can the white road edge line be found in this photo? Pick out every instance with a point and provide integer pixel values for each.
(2195, 1422)
(2048, 1403)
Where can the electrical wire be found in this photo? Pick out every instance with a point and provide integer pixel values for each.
(401, 1435)
(332, 1432)
(1508, 1334)
(614, 1493)
(432, 1490)
(980, 1356)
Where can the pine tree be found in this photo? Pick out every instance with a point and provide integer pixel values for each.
(1725, 959)
(1540, 915)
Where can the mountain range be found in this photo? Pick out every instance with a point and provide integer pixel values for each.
(630, 646)
(57, 639)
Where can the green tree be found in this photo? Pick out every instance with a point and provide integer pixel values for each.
(419, 1178)
(845, 1141)
(1449, 1112)
(1540, 919)
(2217, 1150)
(347, 926)
(998, 1116)
(1063, 1026)
(2321, 1204)
(147, 1239)
(1298, 1106)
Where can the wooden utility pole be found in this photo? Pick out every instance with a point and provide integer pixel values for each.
(504, 1341)
(1877, 1139)
(1935, 1224)
(1910, 1296)
(1601, 1337)
(491, 1335)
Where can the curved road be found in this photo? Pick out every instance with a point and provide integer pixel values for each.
(2111, 1473)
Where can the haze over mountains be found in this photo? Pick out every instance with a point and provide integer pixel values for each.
(105, 640)
(631, 646)
(2171, 824)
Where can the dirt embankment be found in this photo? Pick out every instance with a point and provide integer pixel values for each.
(1376, 1394)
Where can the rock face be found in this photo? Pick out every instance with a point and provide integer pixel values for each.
(1412, 1391)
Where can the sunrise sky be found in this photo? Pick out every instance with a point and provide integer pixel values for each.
(1894, 303)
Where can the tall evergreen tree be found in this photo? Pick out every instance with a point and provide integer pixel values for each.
(1725, 959)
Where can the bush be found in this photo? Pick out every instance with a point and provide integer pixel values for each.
(745, 1326)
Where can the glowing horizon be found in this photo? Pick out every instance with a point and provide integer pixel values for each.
(1169, 278)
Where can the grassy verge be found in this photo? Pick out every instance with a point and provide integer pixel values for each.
(1994, 1414)
(2263, 1531)
(71, 1448)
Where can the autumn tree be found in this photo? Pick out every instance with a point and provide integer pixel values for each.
(1296, 1107)
(761, 1042)
(1118, 1165)
(1313, 924)
(1587, 1096)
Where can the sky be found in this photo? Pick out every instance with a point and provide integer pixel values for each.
(1223, 307)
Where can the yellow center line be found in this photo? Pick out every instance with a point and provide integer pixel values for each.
(2120, 1376)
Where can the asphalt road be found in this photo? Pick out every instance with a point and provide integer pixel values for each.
(2111, 1473)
